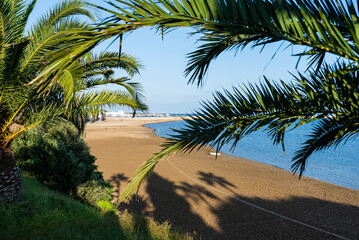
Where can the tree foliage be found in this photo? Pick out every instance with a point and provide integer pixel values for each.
(40, 79)
(94, 71)
(56, 155)
(326, 94)
(324, 26)
(23, 55)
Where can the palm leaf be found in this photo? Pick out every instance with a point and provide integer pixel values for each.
(108, 98)
(106, 60)
(327, 133)
(273, 108)
(323, 26)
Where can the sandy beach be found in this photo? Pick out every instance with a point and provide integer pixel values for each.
(223, 198)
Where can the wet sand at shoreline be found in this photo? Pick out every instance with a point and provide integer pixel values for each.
(223, 198)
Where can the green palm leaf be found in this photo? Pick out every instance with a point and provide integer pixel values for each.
(327, 95)
(273, 108)
(327, 133)
(24, 57)
(107, 97)
(96, 63)
(322, 26)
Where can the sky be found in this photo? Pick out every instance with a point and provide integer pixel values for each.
(165, 86)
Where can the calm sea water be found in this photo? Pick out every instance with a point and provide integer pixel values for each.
(338, 166)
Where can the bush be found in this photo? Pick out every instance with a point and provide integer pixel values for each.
(106, 206)
(56, 155)
(94, 192)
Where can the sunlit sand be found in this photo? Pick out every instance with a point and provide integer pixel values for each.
(225, 197)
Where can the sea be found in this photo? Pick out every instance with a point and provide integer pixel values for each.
(338, 165)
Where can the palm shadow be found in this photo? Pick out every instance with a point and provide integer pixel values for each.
(241, 217)
(214, 180)
(293, 218)
(136, 206)
(170, 203)
(116, 181)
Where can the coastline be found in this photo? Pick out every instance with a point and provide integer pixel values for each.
(210, 148)
(218, 197)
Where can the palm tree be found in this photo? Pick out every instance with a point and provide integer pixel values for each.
(326, 94)
(91, 72)
(31, 86)
(22, 57)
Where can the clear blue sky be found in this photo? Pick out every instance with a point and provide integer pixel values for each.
(166, 88)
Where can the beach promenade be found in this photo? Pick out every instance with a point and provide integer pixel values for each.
(223, 198)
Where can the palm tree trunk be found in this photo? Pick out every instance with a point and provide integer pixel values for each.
(10, 177)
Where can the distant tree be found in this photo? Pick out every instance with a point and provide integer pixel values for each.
(327, 94)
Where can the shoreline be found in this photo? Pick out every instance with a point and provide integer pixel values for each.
(218, 197)
(255, 161)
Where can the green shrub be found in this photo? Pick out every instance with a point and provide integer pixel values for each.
(56, 155)
(106, 206)
(94, 192)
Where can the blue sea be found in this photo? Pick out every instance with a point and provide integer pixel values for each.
(339, 165)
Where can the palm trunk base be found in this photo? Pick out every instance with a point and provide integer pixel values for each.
(10, 178)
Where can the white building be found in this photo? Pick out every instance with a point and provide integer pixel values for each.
(119, 113)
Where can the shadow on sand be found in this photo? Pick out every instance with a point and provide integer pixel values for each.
(239, 217)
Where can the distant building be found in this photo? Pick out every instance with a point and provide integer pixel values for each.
(119, 113)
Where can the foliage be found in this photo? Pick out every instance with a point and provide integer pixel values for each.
(96, 193)
(24, 55)
(324, 26)
(56, 155)
(44, 214)
(94, 70)
(328, 94)
(33, 88)
(106, 205)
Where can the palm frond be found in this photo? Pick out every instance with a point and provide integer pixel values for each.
(327, 133)
(321, 25)
(29, 120)
(59, 12)
(26, 70)
(131, 87)
(106, 60)
(107, 98)
(273, 108)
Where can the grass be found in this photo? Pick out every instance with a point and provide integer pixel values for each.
(44, 214)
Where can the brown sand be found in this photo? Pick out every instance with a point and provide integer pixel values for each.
(223, 198)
